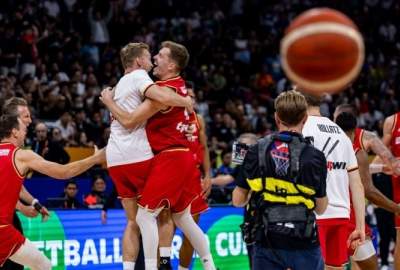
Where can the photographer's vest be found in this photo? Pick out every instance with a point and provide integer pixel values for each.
(285, 206)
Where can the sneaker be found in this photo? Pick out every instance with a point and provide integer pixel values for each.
(384, 267)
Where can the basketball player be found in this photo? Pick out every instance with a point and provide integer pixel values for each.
(14, 164)
(364, 255)
(391, 138)
(171, 178)
(19, 107)
(369, 141)
(128, 151)
(342, 174)
(166, 228)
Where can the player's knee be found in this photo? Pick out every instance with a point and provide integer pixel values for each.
(132, 225)
(43, 263)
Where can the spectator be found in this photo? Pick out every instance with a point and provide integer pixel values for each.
(48, 149)
(66, 126)
(70, 201)
(97, 198)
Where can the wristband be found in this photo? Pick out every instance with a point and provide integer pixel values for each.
(36, 204)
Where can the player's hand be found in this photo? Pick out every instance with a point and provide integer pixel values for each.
(28, 211)
(206, 185)
(45, 214)
(100, 154)
(189, 104)
(396, 166)
(103, 217)
(387, 169)
(356, 238)
(107, 95)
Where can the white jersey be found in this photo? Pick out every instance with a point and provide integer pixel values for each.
(328, 137)
(129, 146)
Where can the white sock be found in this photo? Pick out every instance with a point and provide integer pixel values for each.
(148, 227)
(165, 252)
(128, 265)
(182, 268)
(151, 264)
(196, 237)
(208, 262)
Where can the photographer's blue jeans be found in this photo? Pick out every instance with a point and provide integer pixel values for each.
(279, 259)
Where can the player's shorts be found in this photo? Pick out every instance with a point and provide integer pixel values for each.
(129, 179)
(10, 241)
(396, 197)
(364, 251)
(171, 182)
(199, 205)
(352, 227)
(333, 234)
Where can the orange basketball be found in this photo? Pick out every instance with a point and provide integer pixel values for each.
(322, 51)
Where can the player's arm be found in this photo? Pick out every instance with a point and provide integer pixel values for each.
(25, 195)
(206, 162)
(372, 142)
(240, 196)
(167, 96)
(28, 160)
(222, 180)
(357, 197)
(371, 192)
(130, 120)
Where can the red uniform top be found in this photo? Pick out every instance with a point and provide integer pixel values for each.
(357, 143)
(166, 129)
(194, 143)
(395, 141)
(10, 183)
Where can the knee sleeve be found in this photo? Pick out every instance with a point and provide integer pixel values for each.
(364, 251)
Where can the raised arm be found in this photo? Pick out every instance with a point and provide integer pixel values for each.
(371, 192)
(167, 96)
(28, 160)
(130, 120)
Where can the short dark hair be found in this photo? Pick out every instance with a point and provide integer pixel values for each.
(70, 182)
(179, 53)
(346, 121)
(8, 122)
(11, 105)
(313, 100)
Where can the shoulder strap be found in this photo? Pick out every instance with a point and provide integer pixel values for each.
(296, 147)
(263, 145)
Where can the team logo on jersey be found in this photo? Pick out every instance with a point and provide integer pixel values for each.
(336, 165)
(4, 152)
(397, 140)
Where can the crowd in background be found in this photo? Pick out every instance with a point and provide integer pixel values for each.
(59, 54)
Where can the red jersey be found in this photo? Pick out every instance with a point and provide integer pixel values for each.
(395, 141)
(357, 143)
(10, 183)
(195, 145)
(166, 129)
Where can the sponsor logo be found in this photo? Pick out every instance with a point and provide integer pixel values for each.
(4, 152)
(336, 165)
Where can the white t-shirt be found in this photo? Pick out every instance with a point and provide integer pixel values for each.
(328, 137)
(129, 146)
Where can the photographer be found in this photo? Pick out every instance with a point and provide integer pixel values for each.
(288, 178)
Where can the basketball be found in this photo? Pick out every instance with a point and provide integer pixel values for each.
(322, 51)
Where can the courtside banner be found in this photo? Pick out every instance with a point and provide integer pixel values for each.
(76, 239)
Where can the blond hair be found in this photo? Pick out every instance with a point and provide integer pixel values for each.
(179, 54)
(291, 107)
(131, 51)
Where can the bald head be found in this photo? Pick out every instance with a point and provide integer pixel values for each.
(41, 131)
(248, 138)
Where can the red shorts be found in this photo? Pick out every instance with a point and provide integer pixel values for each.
(352, 227)
(171, 181)
(396, 197)
(11, 240)
(333, 234)
(199, 205)
(129, 179)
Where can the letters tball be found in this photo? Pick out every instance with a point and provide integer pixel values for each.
(322, 51)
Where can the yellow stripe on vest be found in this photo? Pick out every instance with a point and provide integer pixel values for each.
(290, 194)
